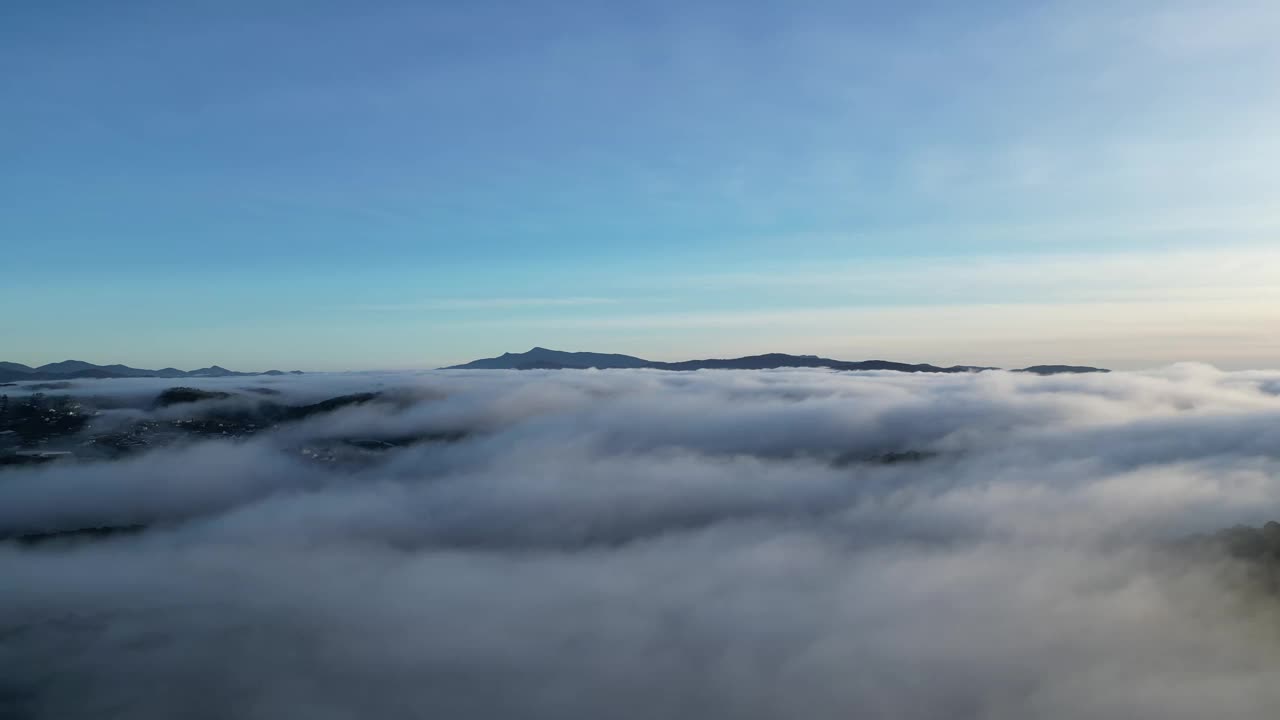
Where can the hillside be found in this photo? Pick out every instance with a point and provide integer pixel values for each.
(540, 358)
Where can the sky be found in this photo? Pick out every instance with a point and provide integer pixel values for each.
(382, 185)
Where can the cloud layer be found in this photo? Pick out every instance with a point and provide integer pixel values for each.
(640, 544)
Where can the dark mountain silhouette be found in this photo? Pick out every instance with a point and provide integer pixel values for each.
(76, 369)
(779, 360)
(543, 359)
(1061, 369)
(179, 395)
(67, 367)
(538, 358)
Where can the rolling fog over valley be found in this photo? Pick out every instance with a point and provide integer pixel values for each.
(640, 543)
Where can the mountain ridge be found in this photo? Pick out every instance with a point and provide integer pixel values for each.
(537, 358)
(79, 369)
(540, 358)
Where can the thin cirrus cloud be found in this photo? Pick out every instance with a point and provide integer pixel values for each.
(1241, 274)
(1119, 309)
(497, 303)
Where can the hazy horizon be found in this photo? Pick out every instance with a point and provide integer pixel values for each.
(941, 360)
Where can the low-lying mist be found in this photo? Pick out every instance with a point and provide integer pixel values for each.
(643, 544)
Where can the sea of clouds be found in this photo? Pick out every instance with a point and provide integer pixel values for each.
(644, 544)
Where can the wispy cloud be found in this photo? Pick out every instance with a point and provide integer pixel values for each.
(1181, 29)
(1130, 334)
(497, 303)
(1239, 274)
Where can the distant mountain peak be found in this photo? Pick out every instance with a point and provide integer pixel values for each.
(67, 365)
(546, 358)
(540, 358)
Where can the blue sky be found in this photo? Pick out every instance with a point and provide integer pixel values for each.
(333, 185)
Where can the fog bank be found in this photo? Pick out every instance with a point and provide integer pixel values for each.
(641, 544)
